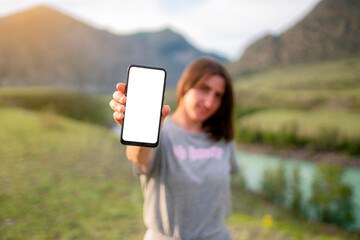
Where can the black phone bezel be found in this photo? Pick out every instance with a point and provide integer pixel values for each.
(143, 144)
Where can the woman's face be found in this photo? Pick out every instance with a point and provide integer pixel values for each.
(204, 99)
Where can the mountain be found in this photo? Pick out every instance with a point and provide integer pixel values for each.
(170, 50)
(330, 31)
(42, 46)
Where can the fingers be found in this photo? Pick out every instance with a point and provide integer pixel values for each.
(164, 112)
(119, 109)
(116, 106)
(119, 97)
(117, 103)
(121, 87)
(118, 117)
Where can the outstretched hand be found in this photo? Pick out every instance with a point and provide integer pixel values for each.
(118, 105)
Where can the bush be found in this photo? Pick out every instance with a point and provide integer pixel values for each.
(69, 103)
(331, 200)
(328, 139)
(273, 184)
(288, 135)
(241, 111)
(296, 196)
(238, 180)
(352, 147)
(246, 135)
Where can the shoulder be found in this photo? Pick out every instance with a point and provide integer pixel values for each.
(167, 132)
(166, 128)
(226, 144)
(170, 128)
(167, 124)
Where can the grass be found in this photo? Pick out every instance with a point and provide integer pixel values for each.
(325, 75)
(62, 178)
(302, 105)
(65, 102)
(328, 84)
(324, 131)
(309, 122)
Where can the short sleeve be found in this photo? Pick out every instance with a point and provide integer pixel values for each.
(234, 165)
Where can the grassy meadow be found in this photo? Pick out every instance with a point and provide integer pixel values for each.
(62, 178)
(65, 102)
(317, 101)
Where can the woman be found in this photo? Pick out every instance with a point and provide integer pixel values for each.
(186, 179)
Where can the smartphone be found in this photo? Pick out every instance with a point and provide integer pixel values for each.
(144, 93)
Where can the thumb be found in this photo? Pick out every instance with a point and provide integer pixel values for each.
(164, 112)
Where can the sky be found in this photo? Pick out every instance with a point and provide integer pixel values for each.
(225, 27)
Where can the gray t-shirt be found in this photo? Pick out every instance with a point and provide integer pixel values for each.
(186, 186)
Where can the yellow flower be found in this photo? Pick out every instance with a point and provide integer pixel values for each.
(267, 221)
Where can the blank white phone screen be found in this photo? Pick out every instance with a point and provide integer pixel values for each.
(143, 104)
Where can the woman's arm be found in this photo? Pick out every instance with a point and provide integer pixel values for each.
(140, 155)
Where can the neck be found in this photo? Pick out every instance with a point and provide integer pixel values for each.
(181, 117)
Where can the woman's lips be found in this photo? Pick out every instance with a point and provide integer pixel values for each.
(202, 110)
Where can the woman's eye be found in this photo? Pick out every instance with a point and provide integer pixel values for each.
(219, 96)
(203, 88)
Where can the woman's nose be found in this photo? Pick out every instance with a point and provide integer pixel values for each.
(209, 100)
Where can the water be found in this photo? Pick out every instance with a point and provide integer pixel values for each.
(253, 166)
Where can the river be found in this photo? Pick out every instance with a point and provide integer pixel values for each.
(253, 166)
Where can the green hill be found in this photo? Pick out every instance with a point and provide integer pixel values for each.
(331, 84)
(311, 104)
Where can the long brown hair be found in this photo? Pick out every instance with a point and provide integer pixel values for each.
(220, 125)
